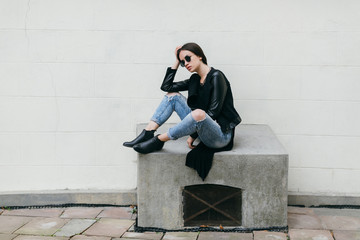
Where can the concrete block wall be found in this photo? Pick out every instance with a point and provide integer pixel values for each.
(76, 77)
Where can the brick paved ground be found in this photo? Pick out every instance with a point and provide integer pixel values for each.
(116, 223)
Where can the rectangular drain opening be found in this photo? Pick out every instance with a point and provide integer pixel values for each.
(212, 205)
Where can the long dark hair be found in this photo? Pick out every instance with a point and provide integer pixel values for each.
(195, 48)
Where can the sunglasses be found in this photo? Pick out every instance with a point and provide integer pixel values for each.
(187, 59)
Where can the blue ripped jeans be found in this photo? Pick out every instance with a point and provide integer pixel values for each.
(208, 130)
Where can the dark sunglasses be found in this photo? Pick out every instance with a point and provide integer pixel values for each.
(187, 59)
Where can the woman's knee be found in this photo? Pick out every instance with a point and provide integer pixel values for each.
(198, 114)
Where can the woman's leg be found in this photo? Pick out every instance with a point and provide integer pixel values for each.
(198, 121)
(170, 103)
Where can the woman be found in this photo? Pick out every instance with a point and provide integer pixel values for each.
(208, 113)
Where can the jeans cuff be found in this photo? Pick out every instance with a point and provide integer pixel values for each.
(169, 135)
(156, 121)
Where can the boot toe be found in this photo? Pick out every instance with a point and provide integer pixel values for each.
(127, 144)
(139, 149)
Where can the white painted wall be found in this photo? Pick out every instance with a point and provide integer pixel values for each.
(76, 76)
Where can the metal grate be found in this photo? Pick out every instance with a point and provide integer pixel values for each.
(211, 205)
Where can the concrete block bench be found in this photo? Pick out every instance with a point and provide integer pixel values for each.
(255, 171)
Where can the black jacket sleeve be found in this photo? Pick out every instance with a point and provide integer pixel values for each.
(217, 98)
(194, 135)
(169, 85)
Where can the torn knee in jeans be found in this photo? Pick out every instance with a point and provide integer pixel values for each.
(198, 115)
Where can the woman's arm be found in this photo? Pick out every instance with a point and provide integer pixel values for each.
(219, 89)
(169, 85)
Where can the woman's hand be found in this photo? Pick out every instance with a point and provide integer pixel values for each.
(190, 142)
(176, 50)
(177, 63)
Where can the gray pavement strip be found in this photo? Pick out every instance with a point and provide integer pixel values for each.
(337, 212)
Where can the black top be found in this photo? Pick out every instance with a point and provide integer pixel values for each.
(214, 96)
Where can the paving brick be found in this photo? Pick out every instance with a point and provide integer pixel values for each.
(145, 235)
(347, 235)
(265, 235)
(127, 239)
(23, 237)
(180, 236)
(42, 226)
(300, 210)
(109, 227)
(82, 237)
(75, 226)
(9, 224)
(303, 221)
(224, 236)
(303, 234)
(116, 212)
(41, 212)
(341, 223)
(81, 212)
(7, 236)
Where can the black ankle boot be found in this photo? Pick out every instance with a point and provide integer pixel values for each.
(143, 136)
(152, 145)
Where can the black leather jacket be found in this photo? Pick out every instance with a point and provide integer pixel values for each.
(214, 97)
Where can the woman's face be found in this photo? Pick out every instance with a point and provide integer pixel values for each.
(190, 60)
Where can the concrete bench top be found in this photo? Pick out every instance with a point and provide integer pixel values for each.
(250, 139)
